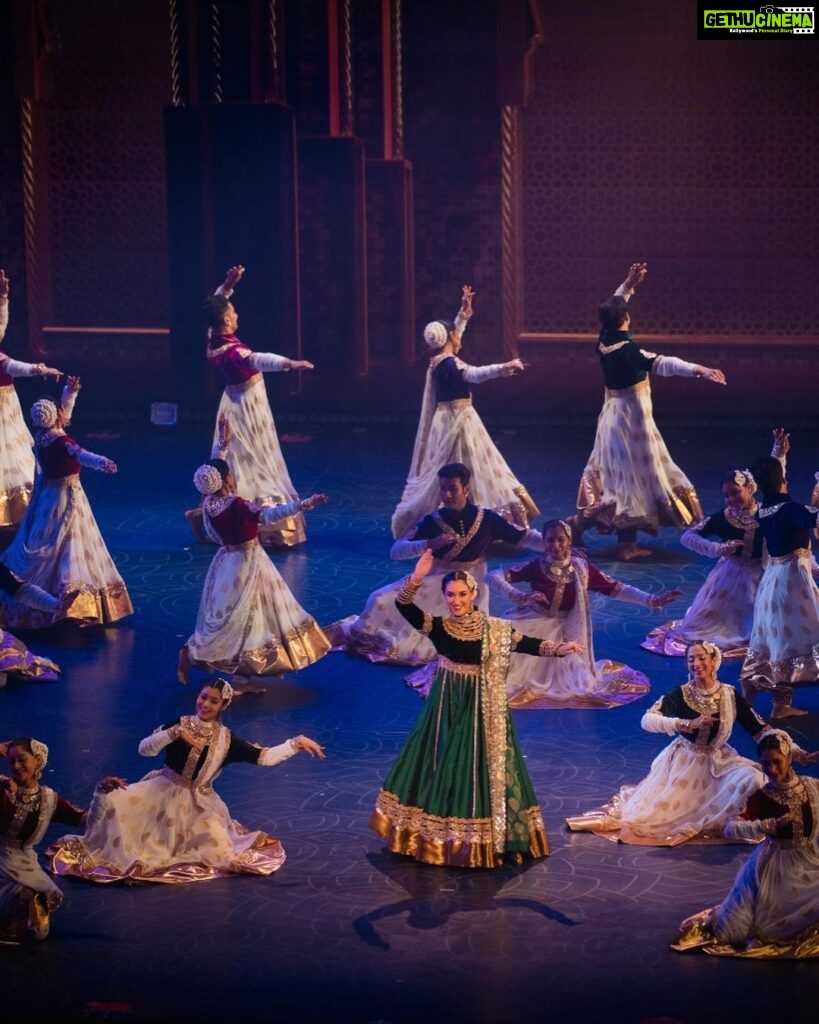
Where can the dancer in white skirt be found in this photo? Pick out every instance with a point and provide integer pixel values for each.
(723, 609)
(630, 482)
(699, 782)
(450, 430)
(249, 623)
(772, 910)
(556, 607)
(16, 443)
(254, 453)
(28, 897)
(172, 826)
(459, 535)
(783, 651)
(58, 546)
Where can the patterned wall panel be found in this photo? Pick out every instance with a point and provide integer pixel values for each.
(452, 139)
(106, 219)
(700, 157)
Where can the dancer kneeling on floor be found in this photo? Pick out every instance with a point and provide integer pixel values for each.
(772, 910)
(699, 782)
(171, 826)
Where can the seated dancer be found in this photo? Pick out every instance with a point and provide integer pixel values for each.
(783, 651)
(772, 910)
(699, 782)
(172, 826)
(254, 452)
(459, 534)
(450, 430)
(58, 546)
(15, 657)
(459, 793)
(630, 482)
(16, 457)
(557, 606)
(723, 609)
(28, 897)
(249, 623)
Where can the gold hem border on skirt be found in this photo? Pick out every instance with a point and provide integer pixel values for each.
(476, 851)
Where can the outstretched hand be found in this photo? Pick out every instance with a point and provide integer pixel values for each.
(467, 295)
(636, 275)
(314, 500)
(309, 746)
(4, 284)
(512, 367)
(422, 567)
(781, 441)
(569, 647)
(707, 373)
(299, 364)
(232, 277)
(666, 597)
(111, 782)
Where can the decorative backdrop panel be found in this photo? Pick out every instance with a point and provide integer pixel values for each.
(699, 157)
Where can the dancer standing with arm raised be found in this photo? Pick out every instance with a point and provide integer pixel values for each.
(254, 452)
(450, 430)
(459, 793)
(630, 482)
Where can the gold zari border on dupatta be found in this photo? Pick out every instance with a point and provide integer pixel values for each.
(495, 653)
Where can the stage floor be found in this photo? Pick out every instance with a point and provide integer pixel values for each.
(345, 931)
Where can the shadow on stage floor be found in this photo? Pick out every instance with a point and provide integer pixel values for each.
(345, 931)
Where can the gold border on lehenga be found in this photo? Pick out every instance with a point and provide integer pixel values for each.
(452, 842)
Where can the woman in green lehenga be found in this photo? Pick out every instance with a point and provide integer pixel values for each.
(459, 793)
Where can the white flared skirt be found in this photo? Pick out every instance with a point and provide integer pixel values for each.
(571, 682)
(27, 895)
(158, 830)
(630, 480)
(775, 896)
(16, 459)
(59, 547)
(249, 623)
(457, 434)
(690, 793)
(255, 457)
(784, 644)
(722, 612)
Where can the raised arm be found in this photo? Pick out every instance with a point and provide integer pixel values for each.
(636, 275)
(464, 314)
(232, 277)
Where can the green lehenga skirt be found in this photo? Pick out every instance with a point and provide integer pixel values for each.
(435, 803)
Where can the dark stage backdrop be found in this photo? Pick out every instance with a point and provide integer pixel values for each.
(700, 157)
(637, 141)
